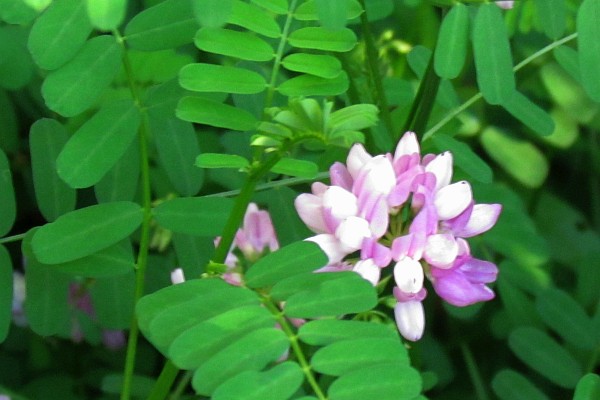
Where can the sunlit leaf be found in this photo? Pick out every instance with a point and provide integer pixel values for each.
(217, 160)
(308, 11)
(106, 15)
(194, 215)
(451, 48)
(321, 65)
(332, 14)
(310, 85)
(232, 43)
(212, 13)
(209, 112)
(588, 387)
(323, 39)
(219, 78)
(254, 19)
(299, 168)
(275, 6)
(322, 332)
(588, 45)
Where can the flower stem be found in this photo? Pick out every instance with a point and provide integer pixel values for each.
(161, 388)
(476, 379)
(142, 258)
(14, 238)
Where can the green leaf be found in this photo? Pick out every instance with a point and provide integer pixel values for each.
(85, 231)
(16, 12)
(212, 13)
(114, 260)
(219, 78)
(59, 33)
(16, 69)
(76, 86)
(588, 388)
(320, 65)
(209, 112)
(566, 129)
(120, 183)
(465, 158)
(299, 168)
(278, 383)
(353, 118)
(493, 59)
(218, 160)
(254, 19)
(177, 146)
(310, 85)
(275, 6)
(113, 300)
(519, 158)
(9, 134)
(588, 45)
(332, 14)
(199, 216)
(451, 47)
(6, 294)
(8, 210)
(343, 357)
(251, 353)
(47, 138)
(552, 15)
(541, 353)
(343, 293)
(381, 382)
(511, 385)
(529, 113)
(242, 45)
(567, 318)
(197, 344)
(166, 25)
(308, 10)
(106, 15)
(290, 260)
(98, 144)
(318, 38)
(322, 332)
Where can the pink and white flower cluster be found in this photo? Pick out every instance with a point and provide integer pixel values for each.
(402, 208)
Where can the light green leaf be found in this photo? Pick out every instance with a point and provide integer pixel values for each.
(114, 260)
(451, 47)
(212, 13)
(588, 45)
(106, 15)
(6, 294)
(290, 260)
(332, 14)
(321, 65)
(219, 78)
(552, 15)
(519, 158)
(529, 113)
(511, 385)
(278, 383)
(381, 382)
(199, 216)
(275, 6)
(323, 39)
(242, 45)
(120, 183)
(98, 144)
(85, 231)
(177, 146)
(113, 300)
(310, 85)
(541, 353)
(567, 318)
(47, 138)
(322, 332)
(343, 357)
(76, 86)
(588, 388)
(168, 24)
(353, 118)
(299, 168)
(8, 210)
(465, 158)
(566, 129)
(218, 160)
(16, 12)
(493, 59)
(209, 112)
(16, 68)
(59, 33)
(251, 353)
(308, 11)
(254, 19)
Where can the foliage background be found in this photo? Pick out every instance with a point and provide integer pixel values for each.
(92, 119)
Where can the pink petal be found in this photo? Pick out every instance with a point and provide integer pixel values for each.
(340, 176)
(310, 210)
(457, 290)
(380, 254)
(403, 296)
(482, 219)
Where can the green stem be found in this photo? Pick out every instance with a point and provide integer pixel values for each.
(452, 114)
(293, 338)
(160, 390)
(14, 238)
(480, 391)
(184, 381)
(142, 258)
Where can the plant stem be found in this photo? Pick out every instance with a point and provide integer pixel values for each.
(142, 258)
(14, 238)
(183, 382)
(481, 392)
(160, 390)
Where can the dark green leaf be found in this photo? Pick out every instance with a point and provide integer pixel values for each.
(16, 68)
(588, 388)
(168, 24)
(218, 160)
(451, 48)
(250, 353)
(321, 65)
(493, 59)
(47, 137)
(332, 14)
(120, 183)
(85, 231)
(242, 45)
(322, 332)
(310, 85)
(278, 383)
(76, 86)
(219, 78)
(511, 385)
(114, 260)
(97, 146)
(199, 216)
(254, 19)
(323, 39)
(209, 112)
(59, 33)
(588, 45)
(552, 15)
(9, 134)
(529, 113)
(8, 210)
(292, 259)
(106, 15)
(6, 294)
(299, 168)
(465, 158)
(113, 300)
(541, 353)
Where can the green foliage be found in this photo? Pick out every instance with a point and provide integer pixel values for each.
(6, 281)
(588, 387)
(7, 196)
(451, 49)
(194, 215)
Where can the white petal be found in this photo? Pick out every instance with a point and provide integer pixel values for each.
(408, 274)
(177, 276)
(368, 270)
(342, 203)
(357, 158)
(441, 250)
(410, 319)
(482, 219)
(351, 233)
(453, 199)
(441, 167)
(310, 210)
(380, 176)
(330, 246)
(407, 145)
